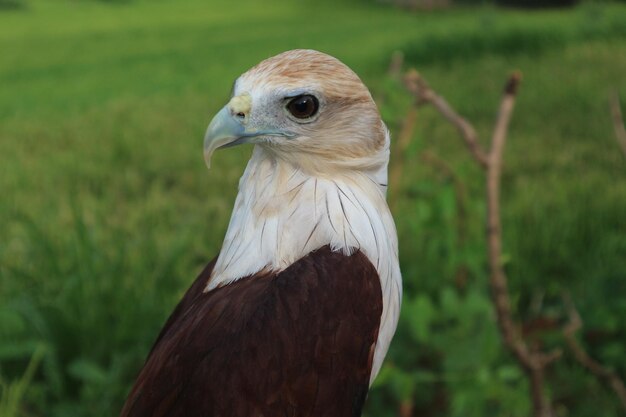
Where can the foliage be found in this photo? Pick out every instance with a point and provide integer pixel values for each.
(6, 5)
(12, 394)
(490, 35)
(107, 211)
(538, 3)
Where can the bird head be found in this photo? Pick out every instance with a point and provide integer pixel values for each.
(306, 107)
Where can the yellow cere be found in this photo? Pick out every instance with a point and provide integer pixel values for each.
(240, 104)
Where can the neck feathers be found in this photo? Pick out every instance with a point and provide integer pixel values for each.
(282, 213)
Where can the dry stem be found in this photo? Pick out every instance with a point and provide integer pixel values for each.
(596, 368)
(532, 361)
(424, 94)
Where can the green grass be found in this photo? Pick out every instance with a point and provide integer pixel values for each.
(107, 211)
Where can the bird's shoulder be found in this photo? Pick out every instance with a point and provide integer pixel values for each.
(298, 342)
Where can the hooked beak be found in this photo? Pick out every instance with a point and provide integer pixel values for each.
(228, 128)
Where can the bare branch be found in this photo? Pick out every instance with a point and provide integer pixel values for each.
(618, 122)
(424, 94)
(530, 357)
(596, 368)
(498, 279)
(532, 360)
(502, 121)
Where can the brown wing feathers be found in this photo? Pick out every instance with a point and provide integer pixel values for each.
(296, 343)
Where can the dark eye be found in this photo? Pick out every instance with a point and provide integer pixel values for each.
(303, 107)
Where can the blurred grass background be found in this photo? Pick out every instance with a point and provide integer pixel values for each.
(107, 211)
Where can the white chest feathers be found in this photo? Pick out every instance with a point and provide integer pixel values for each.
(282, 214)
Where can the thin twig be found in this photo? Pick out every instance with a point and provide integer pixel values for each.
(596, 368)
(532, 360)
(498, 279)
(618, 122)
(424, 94)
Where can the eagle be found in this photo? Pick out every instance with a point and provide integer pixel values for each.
(295, 315)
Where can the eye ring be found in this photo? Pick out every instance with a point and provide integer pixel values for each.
(303, 107)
